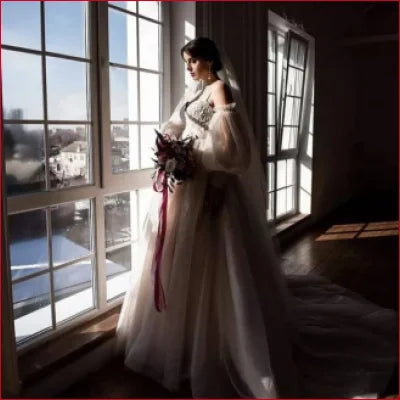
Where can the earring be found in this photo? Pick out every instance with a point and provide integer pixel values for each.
(209, 73)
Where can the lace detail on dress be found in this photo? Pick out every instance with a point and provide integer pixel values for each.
(200, 112)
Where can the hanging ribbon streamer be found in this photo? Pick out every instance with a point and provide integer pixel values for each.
(160, 185)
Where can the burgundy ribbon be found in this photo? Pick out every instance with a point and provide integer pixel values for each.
(160, 185)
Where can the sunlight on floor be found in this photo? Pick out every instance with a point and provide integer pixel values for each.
(361, 230)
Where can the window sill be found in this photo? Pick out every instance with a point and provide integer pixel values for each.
(43, 360)
(289, 223)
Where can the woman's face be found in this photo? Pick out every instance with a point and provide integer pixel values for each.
(197, 67)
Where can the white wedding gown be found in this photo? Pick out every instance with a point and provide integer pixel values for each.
(234, 325)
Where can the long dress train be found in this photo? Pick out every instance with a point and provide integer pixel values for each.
(234, 325)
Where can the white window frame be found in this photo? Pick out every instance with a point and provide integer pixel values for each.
(280, 24)
(104, 183)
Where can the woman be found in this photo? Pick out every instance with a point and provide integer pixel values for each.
(230, 324)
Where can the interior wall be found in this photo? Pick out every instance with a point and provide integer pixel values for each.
(343, 94)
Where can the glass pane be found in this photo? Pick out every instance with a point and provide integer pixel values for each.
(67, 27)
(271, 77)
(281, 41)
(271, 45)
(22, 85)
(20, 23)
(123, 93)
(271, 109)
(32, 312)
(24, 158)
(145, 197)
(292, 111)
(73, 289)
(122, 38)
(305, 178)
(271, 206)
(128, 5)
(149, 97)
(281, 202)
(118, 266)
(297, 53)
(120, 215)
(281, 174)
(309, 145)
(289, 138)
(271, 176)
(67, 89)
(271, 141)
(125, 148)
(289, 199)
(147, 142)
(28, 243)
(149, 45)
(149, 9)
(295, 82)
(71, 231)
(69, 160)
(290, 172)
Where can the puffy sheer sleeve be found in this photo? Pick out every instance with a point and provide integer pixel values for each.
(175, 125)
(226, 146)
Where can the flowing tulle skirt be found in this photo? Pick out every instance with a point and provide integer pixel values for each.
(234, 325)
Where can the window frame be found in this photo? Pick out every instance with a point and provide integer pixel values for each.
(104, 182)
(284, 27)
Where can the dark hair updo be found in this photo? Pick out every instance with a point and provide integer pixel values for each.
(205, 49)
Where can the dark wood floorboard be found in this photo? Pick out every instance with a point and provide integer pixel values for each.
(367, 266)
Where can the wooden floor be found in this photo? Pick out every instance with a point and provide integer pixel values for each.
(367, 265)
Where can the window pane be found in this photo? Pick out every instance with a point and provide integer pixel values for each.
(289, 199)
(67, 89)
(309, 145)
(125, 148)
(22, 85)
(123, 92)
(71, 231)
(128, 5)
(290, 171)
(148, 42)
(289, 138)
(281, 174)
(271, 45)
(73, 289)
(122, 38)
(295, 82)
(20, 24)
(271, 109)
(147, 142)
(271, 176)
(69, 160)
(292, 111)
(24, 158)
(149, 97)
(297, 53)
(120, 214)
(271, 206)
(32, 311)
(271, 141)
(149, 9)
(66, 27)
(28, 243)
(281, 202)
(305, 178)
(118, 266)
(271, 77)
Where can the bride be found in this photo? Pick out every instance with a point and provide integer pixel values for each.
(227, 318)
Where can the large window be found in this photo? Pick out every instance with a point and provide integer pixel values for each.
(77, 176)
(288, 117)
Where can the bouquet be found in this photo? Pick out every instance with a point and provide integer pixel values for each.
(174, 164)
(174, 161)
